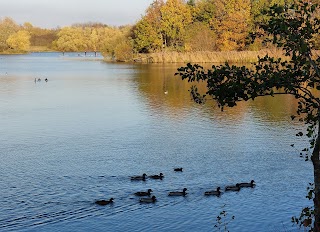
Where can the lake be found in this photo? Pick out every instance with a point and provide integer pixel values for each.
(79, 137)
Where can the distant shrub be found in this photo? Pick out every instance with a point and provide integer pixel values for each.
(123, 51)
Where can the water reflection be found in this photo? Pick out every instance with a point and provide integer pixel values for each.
(155, 79)
(80, 136)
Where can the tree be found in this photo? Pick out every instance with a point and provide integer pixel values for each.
(147, 33)
(205, 12)
(232, 23)
(94, 39)
(7, 27)
(175, 17)
(123, 50)
(199, 37)
(19, 41)
(292, 29)
(39, 36)
(70, 39)
(191, 2)
(146, 36)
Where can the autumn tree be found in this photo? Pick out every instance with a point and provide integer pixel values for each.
(7, 28)
(258, 17)
(19, 41)
(115, 43)
(205, 12)
(199, 37)
(146, 37)
(70, 39)
(147, 34)
(292, 29)
(77, 39)
(232, 23)
(175, 17)
(94, 40)
(40, 36)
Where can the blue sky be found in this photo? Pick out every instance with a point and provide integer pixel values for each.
(53, 13)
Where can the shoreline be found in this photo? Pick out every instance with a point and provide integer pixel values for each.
(184, 57)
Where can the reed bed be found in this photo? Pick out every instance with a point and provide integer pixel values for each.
(39, 49)
(209, 57)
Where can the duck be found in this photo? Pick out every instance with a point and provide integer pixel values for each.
(213, 192)
(183, 193)
(104, 202)
(148, 193)
(160, 176)
(143, 177)
(250, 185)
(148, 200)
(233, 187)
(177, 169)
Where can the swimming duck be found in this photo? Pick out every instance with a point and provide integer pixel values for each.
(251, 184)
(177, 169)
(143, 193)
(213, 192)
(233, 187)
(183, 193)
(148, 200)
(143, 177)
(160, 176)
(104, 202)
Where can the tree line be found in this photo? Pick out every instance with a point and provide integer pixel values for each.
(203, 25)
(16, 38)
(171, 25)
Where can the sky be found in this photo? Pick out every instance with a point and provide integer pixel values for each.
(60, 13)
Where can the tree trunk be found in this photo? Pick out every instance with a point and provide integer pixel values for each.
(316, 166)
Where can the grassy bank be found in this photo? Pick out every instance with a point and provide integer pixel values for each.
(12, 52)
(208, 57)
(31, 49)
(40, 49)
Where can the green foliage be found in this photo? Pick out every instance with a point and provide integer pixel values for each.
(205, 12)
(191, 2)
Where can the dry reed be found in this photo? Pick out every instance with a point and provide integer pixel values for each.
(207, 57)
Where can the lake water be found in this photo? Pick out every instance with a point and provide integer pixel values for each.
(80, 136)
